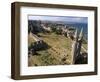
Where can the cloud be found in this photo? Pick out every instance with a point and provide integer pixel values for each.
(60, 18)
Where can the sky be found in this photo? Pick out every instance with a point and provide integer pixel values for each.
(59, 18)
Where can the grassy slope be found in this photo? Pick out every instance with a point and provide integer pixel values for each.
(30, 39)
(59, 53)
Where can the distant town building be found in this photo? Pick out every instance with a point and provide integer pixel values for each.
(46, 28)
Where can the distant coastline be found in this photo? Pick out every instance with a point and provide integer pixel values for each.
(75, 25)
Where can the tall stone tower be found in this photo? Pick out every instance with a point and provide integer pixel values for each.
(79, 42)
(76, 46)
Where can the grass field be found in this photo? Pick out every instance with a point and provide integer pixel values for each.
(59, 52)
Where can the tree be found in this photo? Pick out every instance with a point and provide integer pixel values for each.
(59, 31)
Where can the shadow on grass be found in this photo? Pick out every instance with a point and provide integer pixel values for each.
(39, 46)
